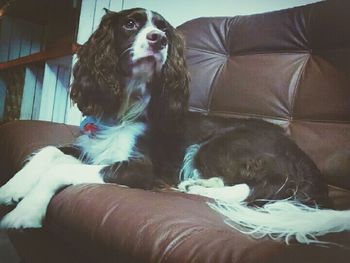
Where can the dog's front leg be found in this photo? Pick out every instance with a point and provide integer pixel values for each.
(24, 180)
(30, 212)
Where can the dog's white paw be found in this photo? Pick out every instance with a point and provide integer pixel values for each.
(12, 192)
(192, 184)
(229, 194)
(23, 217)
(16, 188)
(29, 213)
(19, 219)
(23, 181)
(215, 188)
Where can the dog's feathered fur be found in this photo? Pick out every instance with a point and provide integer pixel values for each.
(151, 138)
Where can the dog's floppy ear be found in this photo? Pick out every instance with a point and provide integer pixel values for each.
(169, 103)
(95, 87)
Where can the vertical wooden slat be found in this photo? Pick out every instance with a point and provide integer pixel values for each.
(86, 20)
(55, 90)
(28, 93)
(5, 37)
(32, 93)
(37, 94)
(48, 92)
(25, 32)
(19, 38)
(15, 41)
(31, 41)
(5, 26)
(2, 99)
(37, 33)
(62, 89)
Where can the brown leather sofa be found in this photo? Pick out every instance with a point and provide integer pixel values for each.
(291, 67)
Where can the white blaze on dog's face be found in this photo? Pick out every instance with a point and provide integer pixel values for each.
(141, 43)
(150, 45)
(150, 48)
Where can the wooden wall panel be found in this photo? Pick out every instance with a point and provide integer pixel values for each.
(55, 90)
(38, 93)
(28, 93)
(48, 91)
(61, 94)
(5, 37)
(32, 92)
(20, 38)
(86, 20)
(26, 35)
(15, 40)
(37, 38)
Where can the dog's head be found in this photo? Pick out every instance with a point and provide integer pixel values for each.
(134, 44)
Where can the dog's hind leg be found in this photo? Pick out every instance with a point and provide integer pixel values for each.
(272, 166)
(24, 180)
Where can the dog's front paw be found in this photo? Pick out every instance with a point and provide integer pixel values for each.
(21, 217)
(16, 219)
(25, 179)
(27, 214)
(12, 193)
(16, 188)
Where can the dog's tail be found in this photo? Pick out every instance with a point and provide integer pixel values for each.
(284, 219)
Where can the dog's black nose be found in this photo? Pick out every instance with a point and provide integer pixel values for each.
(157, 39)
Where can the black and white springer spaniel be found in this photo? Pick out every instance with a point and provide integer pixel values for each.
(131, 79)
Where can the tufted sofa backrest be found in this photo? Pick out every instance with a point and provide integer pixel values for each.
(291, 67)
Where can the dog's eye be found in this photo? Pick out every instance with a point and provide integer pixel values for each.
(130, 24)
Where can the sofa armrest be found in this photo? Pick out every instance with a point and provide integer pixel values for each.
(110, 223)
(19, 139)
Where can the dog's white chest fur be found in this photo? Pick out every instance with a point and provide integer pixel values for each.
(113, 144)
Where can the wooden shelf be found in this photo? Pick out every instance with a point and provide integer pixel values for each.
(41, 56)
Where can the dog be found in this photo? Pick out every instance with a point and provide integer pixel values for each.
(131, 82)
